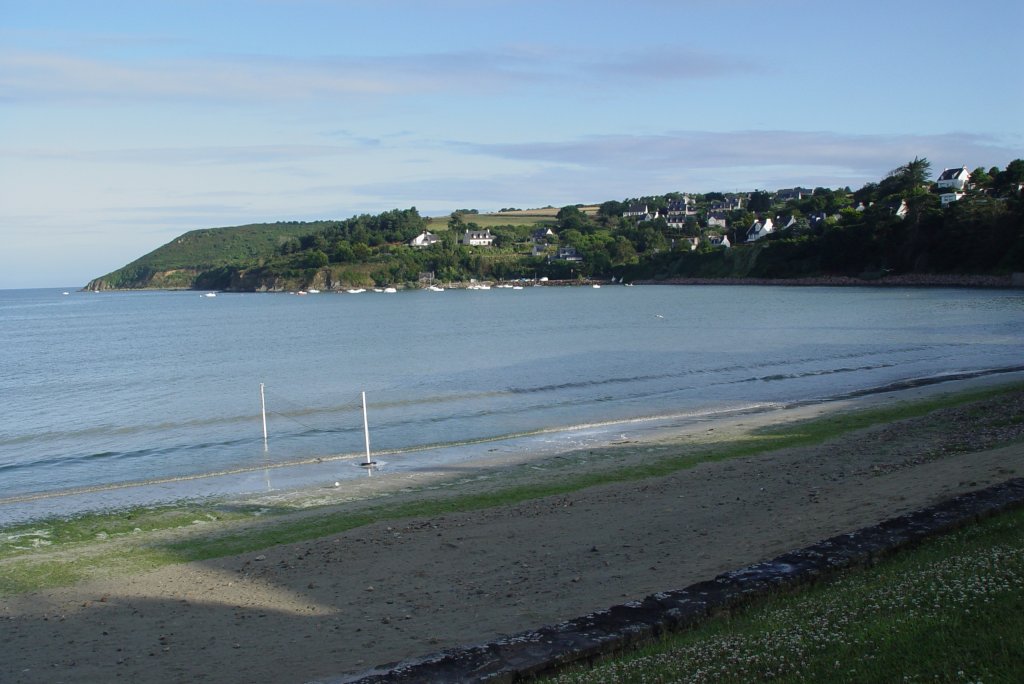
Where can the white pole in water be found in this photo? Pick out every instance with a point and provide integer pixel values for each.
(263, 408)
(366, 431)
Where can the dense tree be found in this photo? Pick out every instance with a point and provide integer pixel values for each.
(571, 237)
(759, 201)
(907, 179)
(980, 178)
(866, 194)
(571, 218)
(289, 245)
(610, 210)
(361, 251)
(342, 253)
(315, 259)
(622, 251)
(691, 227)
(315, 241)
(1011, 177)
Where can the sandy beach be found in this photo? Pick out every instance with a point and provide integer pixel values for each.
(393, 590)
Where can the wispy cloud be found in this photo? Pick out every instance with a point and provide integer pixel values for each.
(59, 77)
(857, 153)
(613, 167)
(670, 64)
(443, 193)
(209, 155)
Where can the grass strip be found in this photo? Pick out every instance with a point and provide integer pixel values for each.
(30, 556)
(951, 610)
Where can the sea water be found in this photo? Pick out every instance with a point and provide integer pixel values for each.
(136, 397)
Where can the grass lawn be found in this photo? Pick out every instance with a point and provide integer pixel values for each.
(951, 610)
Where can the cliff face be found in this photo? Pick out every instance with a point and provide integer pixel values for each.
(260, 280)
(225, 279)
(173, 279)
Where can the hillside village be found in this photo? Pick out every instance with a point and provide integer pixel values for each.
(726, 219)
(962, 221)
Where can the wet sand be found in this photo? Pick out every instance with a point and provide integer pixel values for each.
(388, 591)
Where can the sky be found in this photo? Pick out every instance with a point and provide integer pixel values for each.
(124, 124)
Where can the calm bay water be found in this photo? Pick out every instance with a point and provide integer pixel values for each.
(110, 388)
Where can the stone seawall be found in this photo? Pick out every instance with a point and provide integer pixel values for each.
(523, 656)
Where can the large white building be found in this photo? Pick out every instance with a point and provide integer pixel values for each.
(478, 238)
(759, 229)
(424, 239)
(954, 179)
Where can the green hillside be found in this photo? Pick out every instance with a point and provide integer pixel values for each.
(179, 262)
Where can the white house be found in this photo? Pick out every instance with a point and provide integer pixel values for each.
(478, 238)
(948, 197)
(787, 194)
(678, 210)
(730, 203)
(719, 241)
(424, 239)
(717, 219)
(954, 179)
(638, 211)
(759, 229)
(542, 235)
(568, 254)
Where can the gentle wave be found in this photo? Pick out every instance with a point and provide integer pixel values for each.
(816, 373)
(386, 407)
(911, 383)
(358, 456)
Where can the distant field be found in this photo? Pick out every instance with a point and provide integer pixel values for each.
(439, 223)
(524, 217)
(549, 212)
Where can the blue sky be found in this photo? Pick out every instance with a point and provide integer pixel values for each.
(124, 124)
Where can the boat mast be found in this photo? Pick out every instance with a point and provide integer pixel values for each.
(366, 432)
(263, 410)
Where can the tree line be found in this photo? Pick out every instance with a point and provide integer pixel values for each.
(894, 226)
